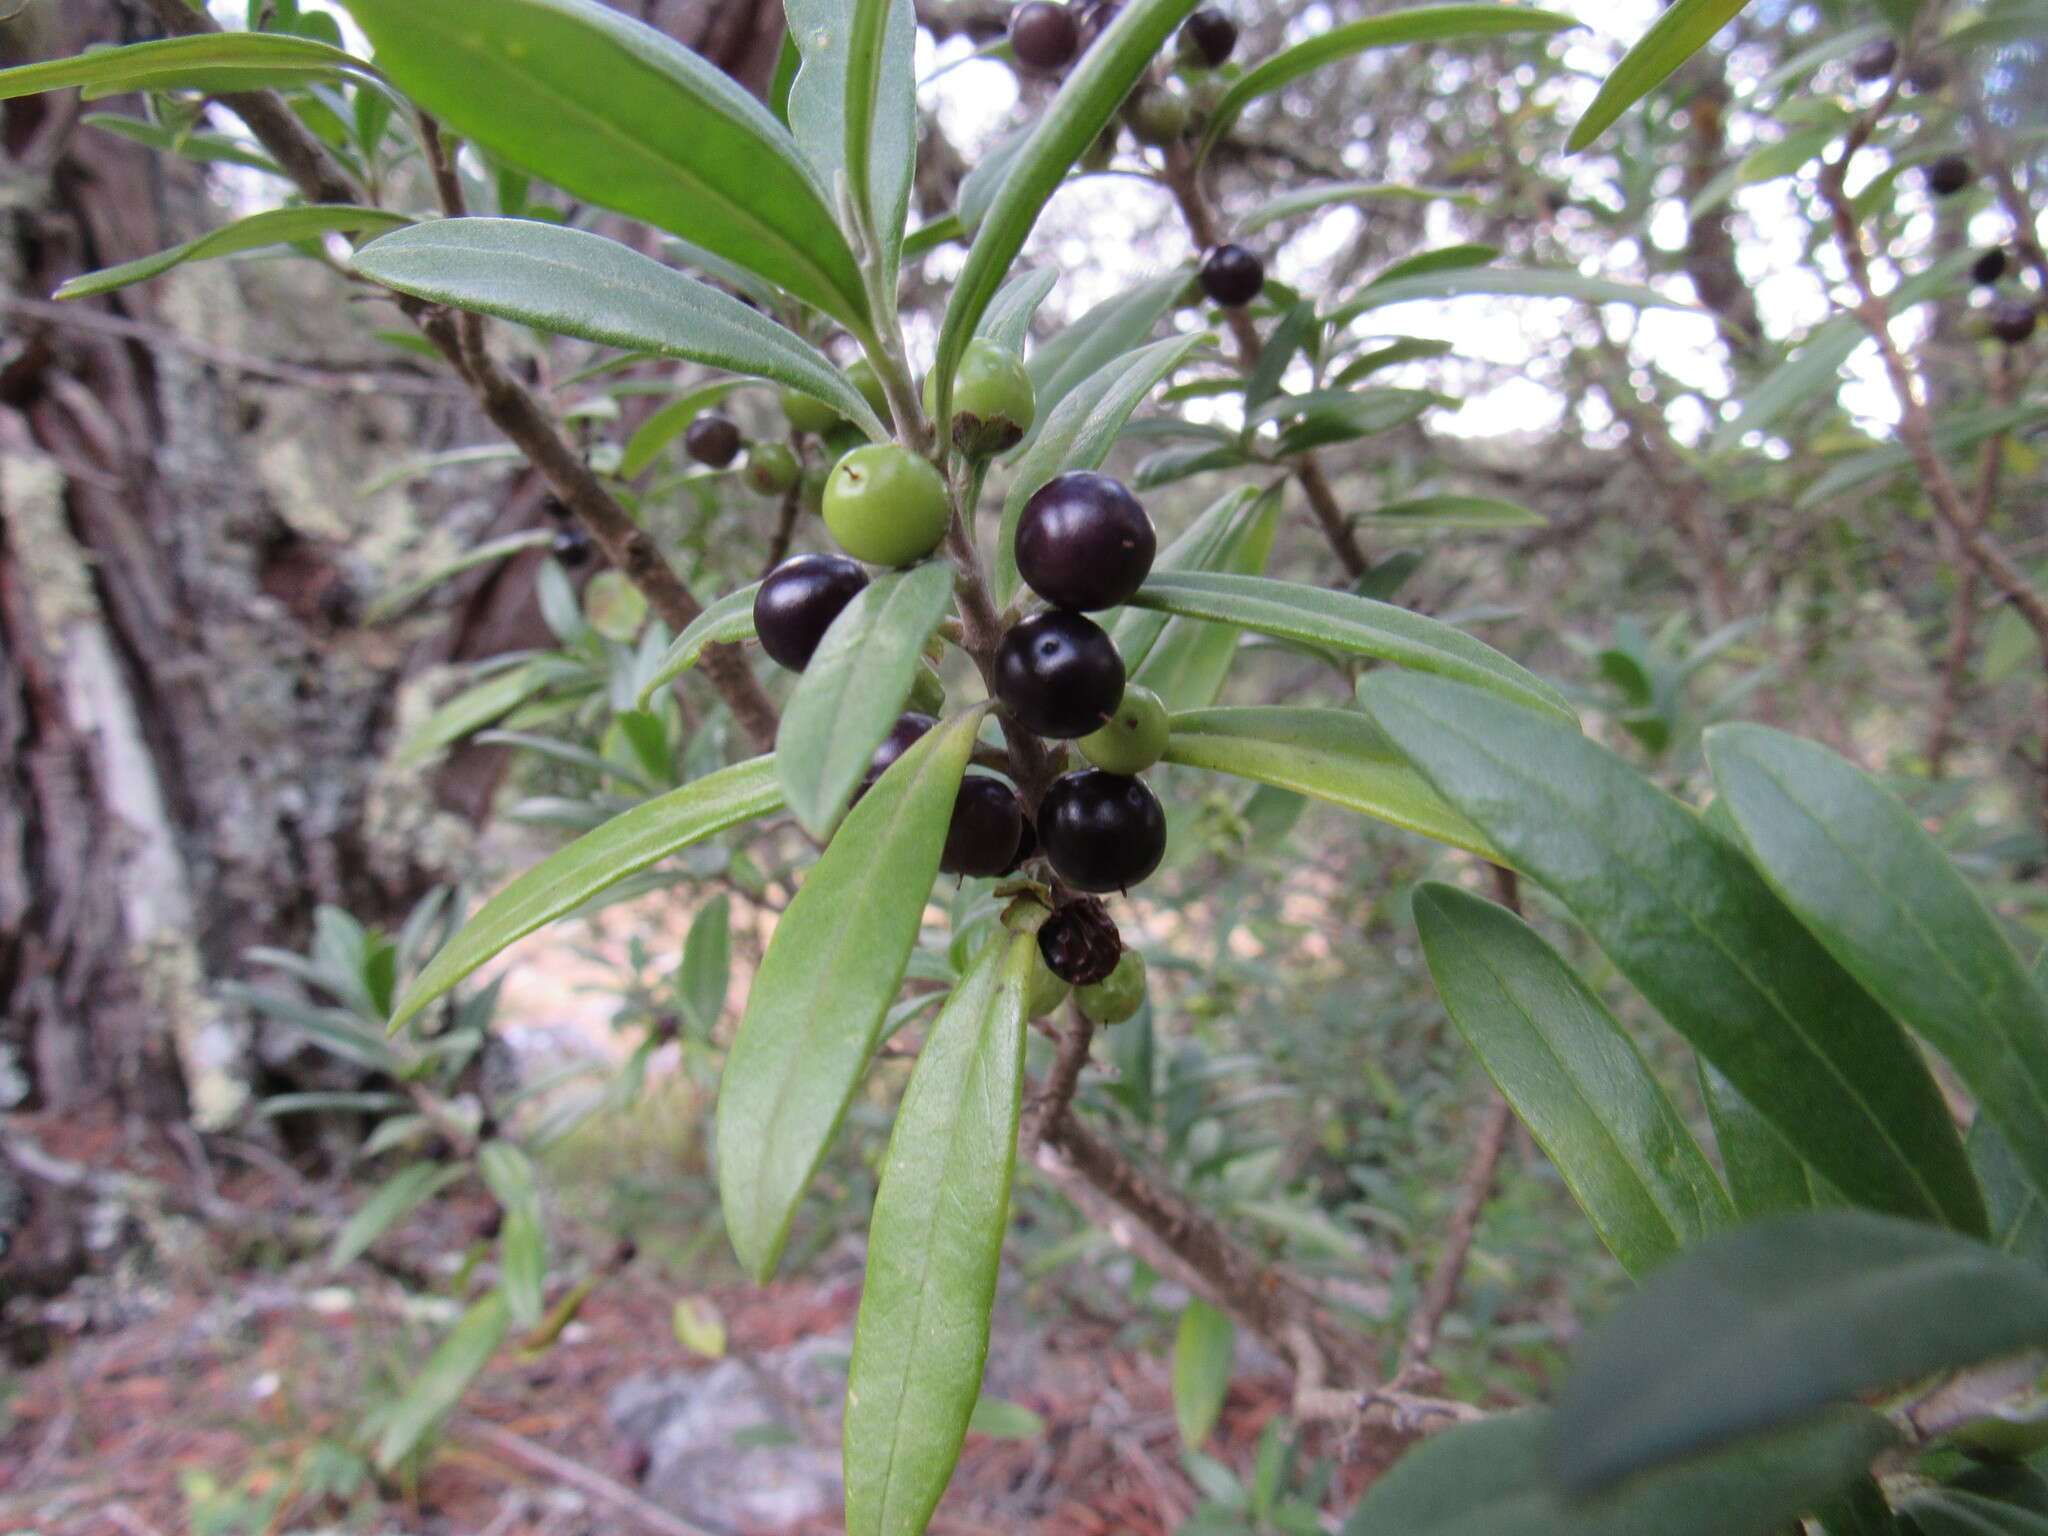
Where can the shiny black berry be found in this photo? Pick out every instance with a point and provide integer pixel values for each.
(1949, 175)
(1080, 943)
(2013, 320)
(713, 439)
(1210, 36)
(798, 601)
(1875, 61)
(1102, 832)
(1990, 267)
(1027, 845)
(903, 735)
(987, 826)
(1044, 35)
(1084, 542)
(571, 547)
(1232, 276)
(1058, 675)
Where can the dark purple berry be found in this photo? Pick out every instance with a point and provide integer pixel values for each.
(1044, 35)
(1927, 77)
(1102, 832)
(1027, 845)
(2013, 320)
(1084, 542)
(903, 735)
(1059, 675)
(713, 439)
(1232, 276)
(1095, 18)
(571, 547)
(798, 601)
(1080, 943)
(1876, 61)
(1949, 175)
(1211, 34)
(556, 508)
(987, 826)
(1990, 267)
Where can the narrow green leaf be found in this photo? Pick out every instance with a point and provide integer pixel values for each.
(567, 878)
(1336, 755)
(1446, 258)
(1339, 621)
(395, 1199)
(402, 596)
(1574, 1076)
(1000, 1419)
(1079, 433)
(1957, 1512)
(881, 121)
(206, 148)
(1419, 24)
(1488, 1479)
(578, 284)
(330, 1102)
(1298, 326)
(728, 621)
(523, 1265)
(278, 226)
(446, 1376)
(1204, 546)
(1874, 887)
(1191, 662)
(2019, 1212)
(935, 1243)
(1506, 282)
(614, 111)
(823, 988)
(1204, 1348)
(1308, 199)
(1454, 512)
(1113, 328)
(1405, 349)
(469, 711)
(1961, 430)
(1007, 320)
(214, 62)
(1762, 1326)
(854, 688)
(1687, 919)
(705, 975)
(667, 424)
(1679, 33)
(1765, 1175)
(1092, 93)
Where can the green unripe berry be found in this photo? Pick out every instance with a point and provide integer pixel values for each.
(886, 505)
(860, 373)
(993, 402)
(1135, 736)
(927, 693)
(772, 468)
(1119, 994)
(1047, 991)
(1159, 115)
(805, 413)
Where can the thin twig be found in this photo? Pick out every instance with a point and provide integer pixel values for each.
(1056, 1096)
(1474, 1189)
(539, 1458)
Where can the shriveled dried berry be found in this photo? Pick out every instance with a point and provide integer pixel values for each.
(1080, 943)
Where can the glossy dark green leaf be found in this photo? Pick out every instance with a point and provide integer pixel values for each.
(1341, 622)
(278, 226)
(214, 62)
(823, 988)
(1079, 433)
(935, 1244)
(1489, 1479)
(854, 688)
(1576, 1079)
(1688, 920)
(1092, 93)
(1204, 1350)
(1765, 1175)
(1767, 1324)
(444, 1379)
(728, 621)
(578, 284)
(1870, 882)
(565, 879)
(611, 110)
(1335, 755)
(1418, 24)
(1683, 29)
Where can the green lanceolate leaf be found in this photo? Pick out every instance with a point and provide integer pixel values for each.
(1341, 622)
(1765, 1175)
(1765, 1325)
(1574, 1077)
(1688, 920)
(1093, 91)
(609, 109)
(1872, 885)
(444, 1379)
(1960, 430)
(1333, 754)
(1489, 1480)
(1680, 32)
(1007, 320)
(823, 988)
(728, 621)
(853, 690)
(470, 710)
(567, 878)
(279, 226)
(1206, 545)
(395, 1199)
(667, 424)
(578, 284)
(853, 105)
(934, 1246)
(1419, 24)
(1204, 1349)
(1308, 199)
(1105, 333)
(705, 975)
(1192, 660)
(2019, 1212)
(215, 62)
(1478, 512)
(522, 1240)
(401, 597)
(1506, 282)
(1081, 430)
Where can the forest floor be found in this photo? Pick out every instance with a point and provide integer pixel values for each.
(220, 1388)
